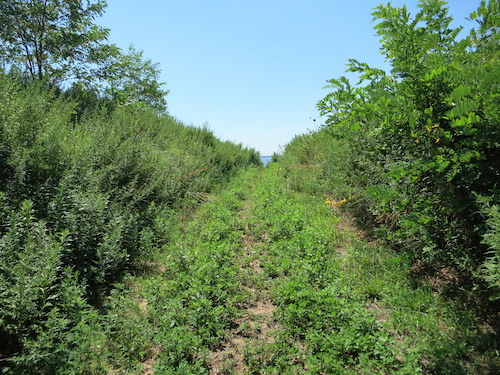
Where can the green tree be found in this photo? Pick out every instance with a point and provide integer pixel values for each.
(426, 133)
(53, 38)
(130, 78)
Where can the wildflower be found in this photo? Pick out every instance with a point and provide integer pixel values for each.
(333, 202)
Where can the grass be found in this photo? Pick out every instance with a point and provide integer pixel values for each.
(190, 303)
(347, 305)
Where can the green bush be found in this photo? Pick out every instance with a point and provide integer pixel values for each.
(85, 198)
(42, 304)
(490, 270)
(422, 140)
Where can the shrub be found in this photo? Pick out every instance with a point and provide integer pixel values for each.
(490, 270)
(83, 198)
(423, 138)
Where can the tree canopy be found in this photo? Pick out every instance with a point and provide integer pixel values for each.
(54, 38)
(58, 41)
(130, 78)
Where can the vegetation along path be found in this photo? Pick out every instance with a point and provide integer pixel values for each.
(133, 244)
(268, 280)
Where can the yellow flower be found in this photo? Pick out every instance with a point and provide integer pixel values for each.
(334, 202)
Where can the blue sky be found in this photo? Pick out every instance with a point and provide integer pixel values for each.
(252, 71)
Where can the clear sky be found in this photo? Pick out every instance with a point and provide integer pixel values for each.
(253, 70)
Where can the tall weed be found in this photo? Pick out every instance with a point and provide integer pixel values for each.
(86, 198)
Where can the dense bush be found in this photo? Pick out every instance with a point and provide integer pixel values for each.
(417, 148)
(82, 200)
(490, 270)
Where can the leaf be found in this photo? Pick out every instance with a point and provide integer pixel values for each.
(460, 92)
(434, 73)
(462, 107)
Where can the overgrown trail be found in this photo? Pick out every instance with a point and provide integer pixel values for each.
(255, 322)
(265, 279)
(296, 313)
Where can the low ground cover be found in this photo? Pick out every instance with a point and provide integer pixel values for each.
(268, 280)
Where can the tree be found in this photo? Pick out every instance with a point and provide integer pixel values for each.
(52, 38)
(129, 78)
(58, 40)
(427, 132)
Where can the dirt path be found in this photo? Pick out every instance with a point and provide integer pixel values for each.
(256, 323)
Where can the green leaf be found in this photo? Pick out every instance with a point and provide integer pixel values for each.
(460, 92)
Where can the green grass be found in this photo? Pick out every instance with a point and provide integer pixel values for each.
(192, 301)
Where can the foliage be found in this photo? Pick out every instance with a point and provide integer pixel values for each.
(43, 310)
(59, 43)
(423, 138)
(347, 306)
(104, 267)
(490, 270)
(56, 39)
(332, 329)
(92, 179)
(82, 204)
(131, 79)
(194, 301)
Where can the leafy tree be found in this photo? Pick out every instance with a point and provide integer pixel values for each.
(58, 40)
(426, 133)
(129, 78)
(52, 38)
